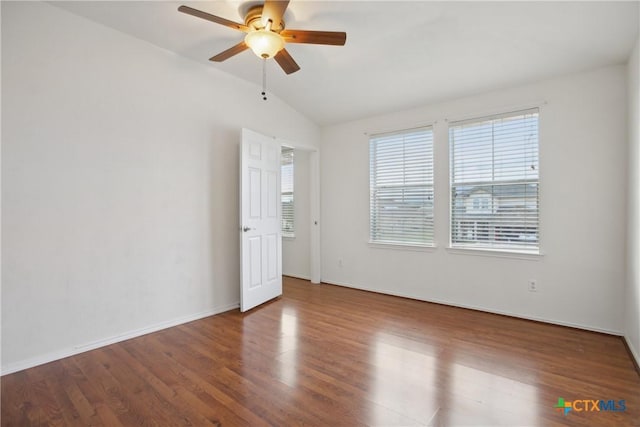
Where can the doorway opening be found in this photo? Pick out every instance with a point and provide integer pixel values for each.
(300, 212)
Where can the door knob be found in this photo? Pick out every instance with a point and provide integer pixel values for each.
(245, 229)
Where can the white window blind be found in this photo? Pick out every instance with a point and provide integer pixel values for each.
(286, 165)
(401, 187)
(495, 182)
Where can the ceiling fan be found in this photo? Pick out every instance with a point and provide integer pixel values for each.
(266, 34)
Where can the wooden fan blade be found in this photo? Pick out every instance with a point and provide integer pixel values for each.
(286, 62)
(273, 10)
(240, 47)
(213, 18)
(335, 38)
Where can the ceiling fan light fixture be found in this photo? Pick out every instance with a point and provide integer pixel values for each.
(264, 43)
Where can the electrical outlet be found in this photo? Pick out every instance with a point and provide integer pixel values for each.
(340, 264)
(533, 285)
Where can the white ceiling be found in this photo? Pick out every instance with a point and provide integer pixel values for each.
(399, 54)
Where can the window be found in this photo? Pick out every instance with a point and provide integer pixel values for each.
(495, 182)
(401, 187)
(286, 166)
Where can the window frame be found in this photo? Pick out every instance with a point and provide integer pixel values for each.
(493, 247)
(428, 188)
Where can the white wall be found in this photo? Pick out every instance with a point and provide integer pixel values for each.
(296, 250)
(119, 183)
(583, 133)
(632, 291)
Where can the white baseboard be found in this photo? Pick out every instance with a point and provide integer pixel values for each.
(297, 276)
(81, 348)
(479, 308)
(634, 351)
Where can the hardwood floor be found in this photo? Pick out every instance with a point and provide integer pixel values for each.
(324, 355)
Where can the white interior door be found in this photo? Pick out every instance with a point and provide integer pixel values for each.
(260, 224)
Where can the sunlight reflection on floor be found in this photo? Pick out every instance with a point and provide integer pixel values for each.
(433, 388)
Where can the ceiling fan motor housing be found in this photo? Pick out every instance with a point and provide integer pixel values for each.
(253, 19)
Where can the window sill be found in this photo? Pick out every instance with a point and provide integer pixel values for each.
(402, 247)
(497, 253)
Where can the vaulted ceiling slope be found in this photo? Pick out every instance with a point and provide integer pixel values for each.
(398, 54)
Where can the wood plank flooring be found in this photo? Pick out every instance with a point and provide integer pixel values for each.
(324, 355)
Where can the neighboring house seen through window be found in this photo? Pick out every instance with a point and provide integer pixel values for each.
(401, 187)
(494, 175)
(286, 166)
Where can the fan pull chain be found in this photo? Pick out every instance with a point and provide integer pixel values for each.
(264, 79)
